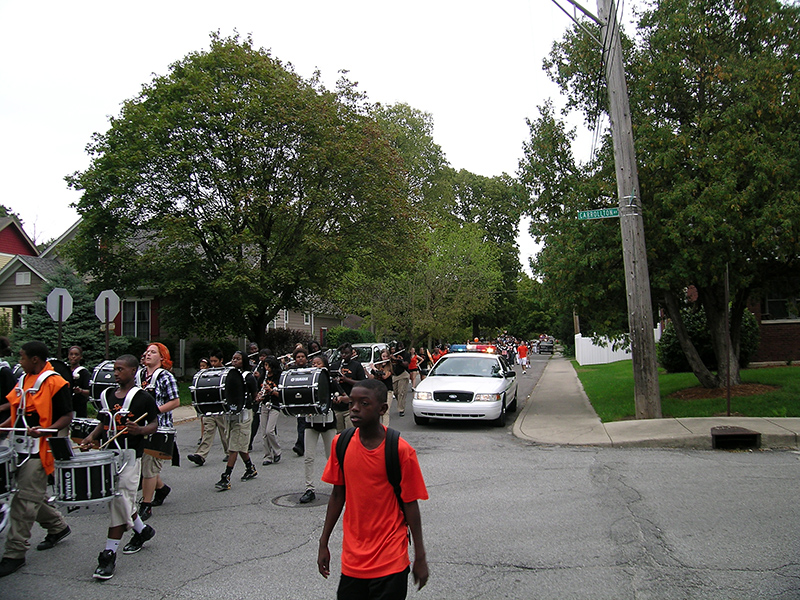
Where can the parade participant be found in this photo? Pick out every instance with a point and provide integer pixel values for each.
(157, 379)
(300, 360)
(319, 426)
(80, 381)
(258, 372)
(383, 373)
(268, 397)
(239, 427)
(212, 423)
(522, 353)
(413, 368)
(121, 409)
(7, 382)
(377, 518)
(347, 370)
(40, 400)
(400, 376)
(202, 366)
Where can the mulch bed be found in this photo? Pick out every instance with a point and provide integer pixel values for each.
(744, 389)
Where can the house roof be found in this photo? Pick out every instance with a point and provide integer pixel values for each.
(44, 268)
(51, 250)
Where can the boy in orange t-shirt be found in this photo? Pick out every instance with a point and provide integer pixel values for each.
(375, 562)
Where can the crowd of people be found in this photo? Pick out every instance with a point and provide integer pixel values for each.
(40, 405)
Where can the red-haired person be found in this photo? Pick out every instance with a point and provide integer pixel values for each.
(156, 377)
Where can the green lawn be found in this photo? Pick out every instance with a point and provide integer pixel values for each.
(183, 392)
(610, 390)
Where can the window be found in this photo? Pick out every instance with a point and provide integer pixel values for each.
(136, 319)
(285, 317)
(306, 318)
(782, 302)
(23, 278)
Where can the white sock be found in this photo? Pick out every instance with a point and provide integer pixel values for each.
(112, 545)
(138, 524)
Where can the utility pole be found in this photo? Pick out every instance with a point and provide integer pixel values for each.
(634, 252)
(637, 276)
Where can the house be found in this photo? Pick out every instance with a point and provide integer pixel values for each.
(779, 325)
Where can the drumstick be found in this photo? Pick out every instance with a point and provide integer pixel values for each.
(124, 430)
(24, 430)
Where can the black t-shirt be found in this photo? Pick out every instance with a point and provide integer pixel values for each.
(250, 389)
(398, 368)
(351, 368)
(81, 380)
(142, 403)
(7, 383)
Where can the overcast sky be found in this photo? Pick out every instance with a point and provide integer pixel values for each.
(67, 66)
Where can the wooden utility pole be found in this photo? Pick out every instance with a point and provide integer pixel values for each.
(637, 277)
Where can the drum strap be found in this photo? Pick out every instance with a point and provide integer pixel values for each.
(151, 383)
(22, 443)
(126, 405)
(77, 371)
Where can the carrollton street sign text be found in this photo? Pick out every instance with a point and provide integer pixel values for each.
(602, 213)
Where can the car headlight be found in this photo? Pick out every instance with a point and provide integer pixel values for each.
(487, 397)
(423, 396)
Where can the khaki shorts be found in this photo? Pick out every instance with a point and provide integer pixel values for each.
(123, 505)
(239, 436)
(151, 466)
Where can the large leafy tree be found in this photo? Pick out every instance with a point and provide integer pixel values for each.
(714, 98)
(235, 187)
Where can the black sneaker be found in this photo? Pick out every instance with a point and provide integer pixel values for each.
(51, 539)
(249, 474)
(309, 496)
(138, 540)
(197, 459)
(277, 459)
(9, 565)
(105, 565)
(298, 450)
(224, 483)
(160, 495)
(145, 510)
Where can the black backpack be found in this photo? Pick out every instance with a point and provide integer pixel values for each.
(392, 457)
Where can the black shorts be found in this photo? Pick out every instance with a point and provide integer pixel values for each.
(391, 587)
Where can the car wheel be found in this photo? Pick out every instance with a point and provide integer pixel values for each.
(501, 420)
(420, 420)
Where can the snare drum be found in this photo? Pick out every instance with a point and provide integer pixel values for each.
(305, 392)
(217, 391)
(80, 428)
(86, 479)
(6, 474)
(102, 379)
(161, 443)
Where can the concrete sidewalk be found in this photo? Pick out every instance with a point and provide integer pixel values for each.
(558, 412)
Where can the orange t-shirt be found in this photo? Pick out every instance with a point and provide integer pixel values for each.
(522, 351)
(375, 541)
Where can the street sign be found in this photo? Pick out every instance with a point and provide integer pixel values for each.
(601, 213)
(59, 296)
(107, 311)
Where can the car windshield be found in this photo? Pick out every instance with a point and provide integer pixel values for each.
(364, 354)
(467, 366)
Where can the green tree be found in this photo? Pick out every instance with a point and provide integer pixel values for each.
(235, 188)
(714, 98)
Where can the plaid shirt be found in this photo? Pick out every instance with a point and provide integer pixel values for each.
(163, 389)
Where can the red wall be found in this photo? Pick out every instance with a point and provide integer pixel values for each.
(12, 242)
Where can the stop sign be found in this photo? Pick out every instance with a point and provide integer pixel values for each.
(113, 305)
(62, 297)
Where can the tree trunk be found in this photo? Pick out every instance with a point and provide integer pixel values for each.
(704, 376)
(713, 302)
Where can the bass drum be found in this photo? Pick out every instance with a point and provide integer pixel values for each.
(62, 368)
(305, 392)
(218, 391)
(102, 379)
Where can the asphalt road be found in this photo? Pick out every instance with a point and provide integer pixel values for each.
(506, 519)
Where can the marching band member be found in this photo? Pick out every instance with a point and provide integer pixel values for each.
(80, 381)
(269, 411)
(212, 423)
(40, 400)
(239, 428)
(318, 426)
(157, 379)
(124, 407)
(350, 370)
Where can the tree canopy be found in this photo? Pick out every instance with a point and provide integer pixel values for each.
(714, 94)
(235, 188)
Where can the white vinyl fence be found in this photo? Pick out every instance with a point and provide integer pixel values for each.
(588, 353)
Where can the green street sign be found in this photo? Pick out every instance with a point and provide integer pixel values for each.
(602, 213)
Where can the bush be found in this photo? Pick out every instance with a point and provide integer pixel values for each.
(339, 335)
(672, 358)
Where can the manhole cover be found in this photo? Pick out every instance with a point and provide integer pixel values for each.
(293, 501)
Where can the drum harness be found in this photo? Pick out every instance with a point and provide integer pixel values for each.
(23, 443)
(122, 459)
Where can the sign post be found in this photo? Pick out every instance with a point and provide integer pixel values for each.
(106, 308)
(59, 307)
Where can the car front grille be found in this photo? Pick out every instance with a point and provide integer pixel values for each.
(453, 396)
